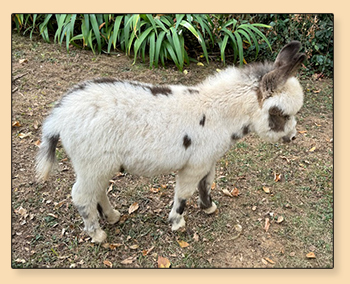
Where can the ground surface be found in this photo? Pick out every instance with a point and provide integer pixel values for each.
(279, 228)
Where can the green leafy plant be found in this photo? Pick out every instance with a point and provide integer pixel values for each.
(238, 35)
(156, 37)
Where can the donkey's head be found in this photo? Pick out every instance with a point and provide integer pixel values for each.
(280, 96)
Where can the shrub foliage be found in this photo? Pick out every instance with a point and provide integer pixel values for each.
(182, 38)
(314, 31)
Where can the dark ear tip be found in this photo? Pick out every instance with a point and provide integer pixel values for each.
(293, 45)
(295, 42)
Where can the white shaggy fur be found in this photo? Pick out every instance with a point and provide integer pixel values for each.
(106, 124)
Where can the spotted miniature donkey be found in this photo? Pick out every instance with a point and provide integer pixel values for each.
(106, 125)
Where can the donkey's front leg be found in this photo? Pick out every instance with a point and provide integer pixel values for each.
(186, 183)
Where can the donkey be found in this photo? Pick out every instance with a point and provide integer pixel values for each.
(106, 125)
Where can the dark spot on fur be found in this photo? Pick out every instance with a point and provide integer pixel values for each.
(140, 85)
(277, 119)
(160, 90)
(181, 207)
(186, 141)
(202, 121)
(105, 80)
(234, 136)
(100, 210)
(204, 196)
(193, 91)
(245, 130)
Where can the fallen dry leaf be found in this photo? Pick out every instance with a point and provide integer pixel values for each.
(128, 260)
(238, 228)
(235, 192)
(196, 237)
(163, 262)
(200, 64)
(269, 260)
(21, 61)
(185, 72)
(37, 143)
(267, 224)
(226, 192)
(154, 189)
(311, 255)
(283, 157)
(266, 189)
(312, 149)
(108, 263)
(183, 244)
(264, 261)
(133, 207)
(36, 124)
(134, 247)
(19, 260)
(279, 219)
(105, 245)
(21, 211)
(16, 124)
(24, 135)
(213, 185)
(277, 177)
(302, 131)
(114, 246)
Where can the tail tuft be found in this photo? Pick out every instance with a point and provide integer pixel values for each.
(46, 157)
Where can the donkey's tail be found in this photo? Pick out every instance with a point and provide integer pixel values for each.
(46, 158)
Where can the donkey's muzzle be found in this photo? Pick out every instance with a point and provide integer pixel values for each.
(287, 139)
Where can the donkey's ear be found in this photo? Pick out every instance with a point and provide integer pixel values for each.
(286, 65)
(287, 53)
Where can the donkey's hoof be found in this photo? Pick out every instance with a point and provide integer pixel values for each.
(211, 209)
(177, 225)
(98, 236)
(114, 217)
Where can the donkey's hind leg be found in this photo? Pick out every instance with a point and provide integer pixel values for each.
(105, 209)
(85, 194)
